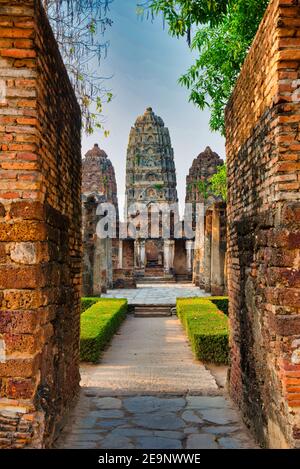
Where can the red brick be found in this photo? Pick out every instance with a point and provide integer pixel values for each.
(18, 53)
(27, 210)
(17, 33)
(21, 277)
(20, 388)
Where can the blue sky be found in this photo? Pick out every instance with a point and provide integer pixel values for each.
(145, 64)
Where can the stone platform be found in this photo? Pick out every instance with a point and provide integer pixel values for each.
(164, 294)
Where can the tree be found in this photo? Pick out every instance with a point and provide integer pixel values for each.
(218, 182)
(79, 27)
(222, 45)
(182, 15)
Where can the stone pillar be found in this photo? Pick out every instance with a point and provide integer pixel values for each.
(139, 256)
(205, 279)
(217, 255)
(199, 248)
(143, 253)
(169, 253)
(99, 252)
(189, 246)
(120, 255)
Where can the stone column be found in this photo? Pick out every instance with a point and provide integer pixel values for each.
(137, 254)
(120, 255)
(189, 246)
(99, 253)
(169, 253)
(198, 276)
(205, 281)
(217, 255)
(142, 253)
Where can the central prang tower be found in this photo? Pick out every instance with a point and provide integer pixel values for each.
(151, 180)
(150, 171)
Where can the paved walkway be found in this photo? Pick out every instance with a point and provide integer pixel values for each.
(150, 422)
(153, 294)
(148, 392)
(149, 355)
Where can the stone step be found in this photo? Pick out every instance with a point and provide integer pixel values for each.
(156, 279)
(152, 311)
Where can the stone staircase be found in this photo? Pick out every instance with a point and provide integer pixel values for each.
(152, 311)
(154, 279)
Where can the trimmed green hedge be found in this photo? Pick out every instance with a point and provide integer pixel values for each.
(207, 328)
(98, 324)
(87, 302)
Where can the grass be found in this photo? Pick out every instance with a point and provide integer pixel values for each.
(98, 324)
(206, 326)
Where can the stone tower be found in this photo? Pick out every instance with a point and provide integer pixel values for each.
(151, 180)
(150, 172)
(203, 167)
(98, 175)
(98, 186)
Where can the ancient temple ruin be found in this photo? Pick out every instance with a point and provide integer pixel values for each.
(151, 183)
(148, 252)
(209, 223)
(98, 187)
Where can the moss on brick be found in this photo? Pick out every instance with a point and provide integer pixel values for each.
(98, 324)
(207, 328)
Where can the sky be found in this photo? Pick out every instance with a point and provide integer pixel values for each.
(144, 64)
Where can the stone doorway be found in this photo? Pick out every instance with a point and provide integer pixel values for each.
(154, 255)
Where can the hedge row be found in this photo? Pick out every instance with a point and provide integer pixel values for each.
(207, 328)
(98, 324)
(87, 302)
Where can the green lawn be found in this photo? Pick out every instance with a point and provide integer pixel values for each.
(206, 326)
(98, 324)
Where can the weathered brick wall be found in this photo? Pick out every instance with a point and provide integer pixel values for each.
(263, 157)
(40, 230)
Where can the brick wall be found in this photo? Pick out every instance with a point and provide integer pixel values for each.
(40, 233)
(263, 156)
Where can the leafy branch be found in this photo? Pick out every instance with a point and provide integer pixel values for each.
(79, 28)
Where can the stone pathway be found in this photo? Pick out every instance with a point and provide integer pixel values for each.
(153, 294)
(149, 422)
(148, 392)
(149, 355)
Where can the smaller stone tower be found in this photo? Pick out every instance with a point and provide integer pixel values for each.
(98, 175)
(203, 167)
(98, 186)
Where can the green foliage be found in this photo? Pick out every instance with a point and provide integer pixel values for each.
(204, 188)
(98, 324)
(79, 28)
(221, 303)
(87, 302)
(219, 182)
(158, 186)
(222, 49)
(207, 328)
(181, 15)
(221, 46)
